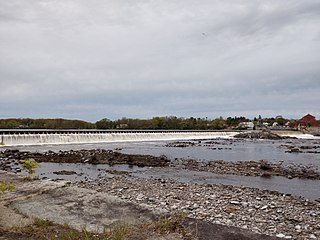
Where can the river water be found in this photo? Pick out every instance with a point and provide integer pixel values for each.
(218, 149)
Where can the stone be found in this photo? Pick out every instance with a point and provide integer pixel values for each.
(65, 172)
(140, 197)
(280, 235)
(297, 227)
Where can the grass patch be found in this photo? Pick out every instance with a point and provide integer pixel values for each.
(4, 186)
(46, 229)
(42, 223)
(120, 231)
(28, 178)
(169, 224)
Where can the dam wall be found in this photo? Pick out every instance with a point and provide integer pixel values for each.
(36, 137)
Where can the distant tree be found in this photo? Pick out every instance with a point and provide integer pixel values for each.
(104, 123)
(281, 121)
(218, 123)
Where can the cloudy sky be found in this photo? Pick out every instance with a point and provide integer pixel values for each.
(89, 60)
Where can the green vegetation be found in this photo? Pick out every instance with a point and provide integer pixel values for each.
(46, 229)
(170, 224)
(168, 122)
(4, 186)
(28, 123)
(37, 226)
(171, 122)
(44, 223)
(120, 231)
(29, 165)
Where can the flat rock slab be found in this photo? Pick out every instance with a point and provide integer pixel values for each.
(95, 211)
(205, 231)
(82, 208)
(9, 218)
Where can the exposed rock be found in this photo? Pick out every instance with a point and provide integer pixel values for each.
(254, 168)
(264, 134)
(117, 172)
(180, 144)
(260, 211)
(97, 156)
(65, 172)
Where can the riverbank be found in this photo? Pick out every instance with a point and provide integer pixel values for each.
(42, 209)
(243, 208)
(236, 211)
(265, 212)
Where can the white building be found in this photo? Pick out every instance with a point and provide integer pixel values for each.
(247, 125)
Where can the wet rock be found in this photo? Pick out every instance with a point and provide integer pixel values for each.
(265, 166)
(253, 168)
(117, 172)
(294, 150)
(96, 156)
(181, 144)
(65, 172)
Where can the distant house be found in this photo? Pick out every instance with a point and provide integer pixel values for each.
(246, 125)
(275, 125)
(287, 124)
(122, 126)
(307, 121)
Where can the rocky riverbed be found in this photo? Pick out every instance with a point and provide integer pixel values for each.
(254, 168)
(260, 211)
(265, 212)
(9, 161)
(291, 148)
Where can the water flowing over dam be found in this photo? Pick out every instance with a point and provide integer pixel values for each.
(36, 137)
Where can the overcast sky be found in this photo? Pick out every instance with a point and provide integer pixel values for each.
(96, 59)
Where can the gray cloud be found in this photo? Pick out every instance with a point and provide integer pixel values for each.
(96, 59)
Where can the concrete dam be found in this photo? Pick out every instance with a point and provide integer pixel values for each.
(16, 137)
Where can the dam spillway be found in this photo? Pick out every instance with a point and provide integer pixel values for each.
(16, 137)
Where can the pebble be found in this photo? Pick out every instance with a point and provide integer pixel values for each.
(280, 235)
(298, 227)
(289, 217)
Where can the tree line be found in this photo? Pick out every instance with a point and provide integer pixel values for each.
(167, 122)
(171, 122)
(58, 123)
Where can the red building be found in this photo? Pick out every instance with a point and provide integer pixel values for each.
(307, 121)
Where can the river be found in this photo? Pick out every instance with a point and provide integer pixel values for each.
(219, 149)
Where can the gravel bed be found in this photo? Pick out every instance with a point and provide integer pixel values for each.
(264, 212)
